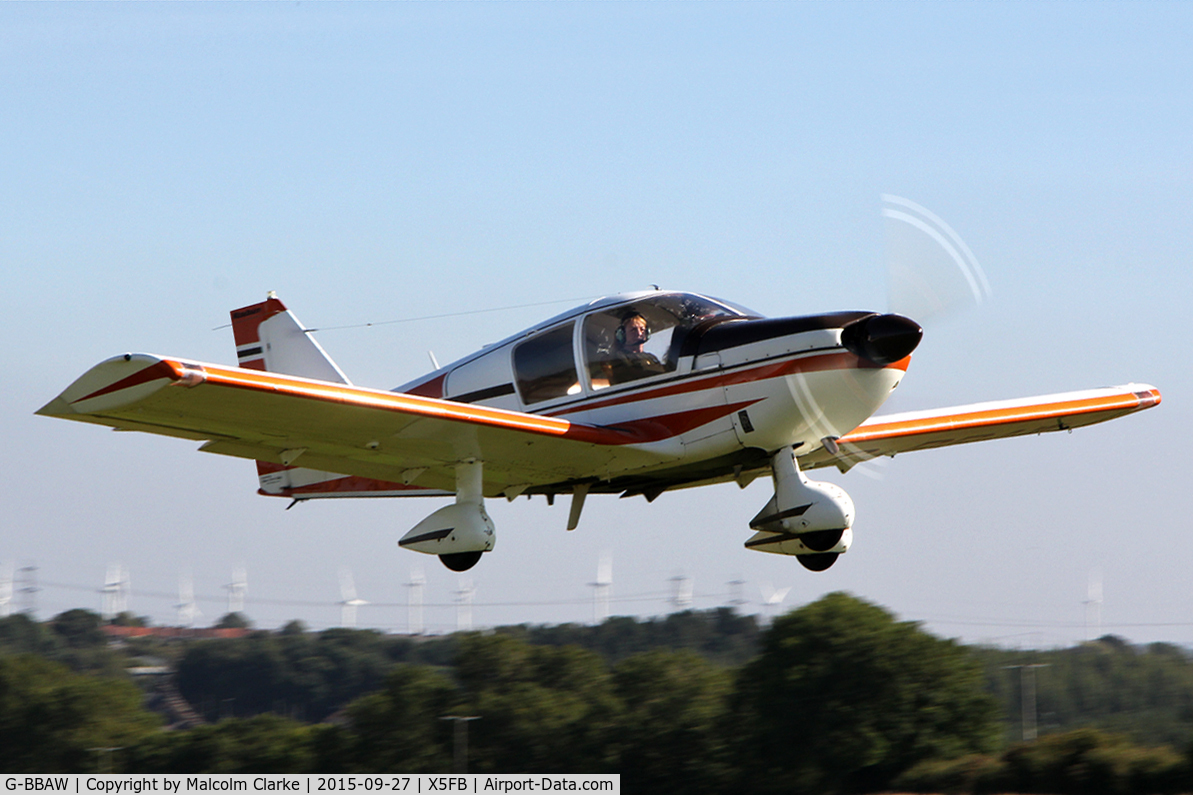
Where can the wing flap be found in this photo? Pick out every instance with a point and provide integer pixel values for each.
(923, 430)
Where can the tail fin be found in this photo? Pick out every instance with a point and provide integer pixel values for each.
(269, 337)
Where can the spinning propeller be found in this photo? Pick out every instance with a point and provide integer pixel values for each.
(931, 273)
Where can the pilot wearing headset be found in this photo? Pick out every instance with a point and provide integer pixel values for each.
(631, 361)
(632, 334)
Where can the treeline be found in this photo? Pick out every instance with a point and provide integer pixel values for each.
(309, 676)
(1082, 762)
(1142, 692)
(837, 696)
(841, 696)
(74, 638)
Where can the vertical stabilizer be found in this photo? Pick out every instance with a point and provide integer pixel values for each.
(269, 337)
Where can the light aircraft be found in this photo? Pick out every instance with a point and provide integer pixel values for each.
(635, 394)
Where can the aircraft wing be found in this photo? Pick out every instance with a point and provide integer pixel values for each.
(369, 433)
(923, 430)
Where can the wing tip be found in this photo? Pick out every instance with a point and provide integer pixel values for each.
(58, 407)
(1148, 396)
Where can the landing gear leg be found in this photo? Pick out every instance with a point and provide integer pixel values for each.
(458, 533)
(805, 518)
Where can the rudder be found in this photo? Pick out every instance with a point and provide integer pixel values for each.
(269, 337)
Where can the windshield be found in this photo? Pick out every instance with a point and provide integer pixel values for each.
(643, 339)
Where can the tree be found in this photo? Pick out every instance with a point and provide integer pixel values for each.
(543, 709)
(304, 674)
(719, 635)
(261, 744)
(50, 717)
(1143, 692)
(20, 634)
(670, 734)
(234, 621)
(79, 628)
(401, 727)
(294, 627)
(844, 698)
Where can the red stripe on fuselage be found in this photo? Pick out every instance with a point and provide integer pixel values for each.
(348, 483)
(666, 426)
(837, 360)
(431, 389)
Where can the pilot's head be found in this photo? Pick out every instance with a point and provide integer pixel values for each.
(634, 332)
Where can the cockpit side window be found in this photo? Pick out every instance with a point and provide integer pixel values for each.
(545, 366)
(642, 339)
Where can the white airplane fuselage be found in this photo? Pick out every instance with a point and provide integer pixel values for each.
(724, 393)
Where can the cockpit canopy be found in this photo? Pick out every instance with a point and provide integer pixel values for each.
(620, 344)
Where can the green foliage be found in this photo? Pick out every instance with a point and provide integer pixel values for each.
(20, 634)
(657, 717)
(719, 635)
(966, 774)
(843, 697)
(311, 675)
(671, 734)
(305, 675)
(401, 727)
(261, 744)
(1145, 693)
(234, 621)
(837, 696)
(294, 627)
(74, 638)
(127, 619)
(50, 717)
(79, 629)
(1082, 762)
(545, 709)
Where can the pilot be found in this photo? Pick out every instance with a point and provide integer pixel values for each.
(630, 360)
(633, 334)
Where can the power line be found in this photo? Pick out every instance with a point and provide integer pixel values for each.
(441, 316)
(251, 600)
(645, 596)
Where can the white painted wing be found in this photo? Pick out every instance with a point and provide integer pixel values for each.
(922, 430)
(356, 431)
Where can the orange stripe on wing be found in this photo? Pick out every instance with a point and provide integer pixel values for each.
(642, 431)
(1001, 416)
(419, 406)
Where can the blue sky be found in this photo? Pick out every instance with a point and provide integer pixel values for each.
(163, 163)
